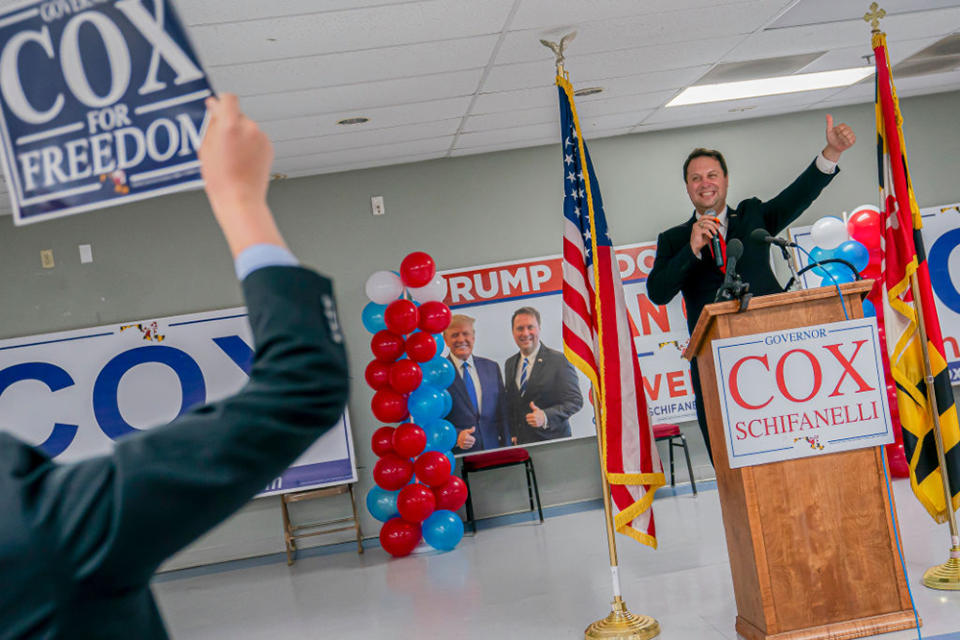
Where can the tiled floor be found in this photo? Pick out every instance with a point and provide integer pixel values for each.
(519, 580)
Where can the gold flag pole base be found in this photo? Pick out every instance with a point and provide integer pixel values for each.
(945, 576)
(623, 625)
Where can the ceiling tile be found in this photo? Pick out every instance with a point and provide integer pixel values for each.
(779, 42)
(789, 102)
(499, 136)
(340, 167)
(506, 145)
(609, 64)
(822, 11)
(540, 14)
(354, 67)
(649, 29)
(353, 30)
(365, 154)
(365, 138)
(357, 97)
(218, 11)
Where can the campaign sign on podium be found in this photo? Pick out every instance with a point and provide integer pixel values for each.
(802, 392)
(101, 103)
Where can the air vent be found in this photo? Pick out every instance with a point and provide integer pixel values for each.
(940, 57)
(754, 69)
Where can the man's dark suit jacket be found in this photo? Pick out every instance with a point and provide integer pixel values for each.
(676, 269)
(491, 421)
(552, 386)
(79, 542)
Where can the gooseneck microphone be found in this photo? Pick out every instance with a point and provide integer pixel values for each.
(761, 236)
(733, 287)
(715, 240)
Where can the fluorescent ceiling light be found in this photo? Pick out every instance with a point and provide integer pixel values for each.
(770, 86)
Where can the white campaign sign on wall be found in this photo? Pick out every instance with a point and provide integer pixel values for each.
(73, 393)
(941, 238)
(802, 392)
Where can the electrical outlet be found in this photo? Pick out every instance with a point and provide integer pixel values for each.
(46, 258)
(376, 205)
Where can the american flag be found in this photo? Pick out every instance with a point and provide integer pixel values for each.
(597, 339)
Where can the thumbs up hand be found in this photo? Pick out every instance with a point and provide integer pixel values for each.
(465, 440)
(536, 418)
(839, 139)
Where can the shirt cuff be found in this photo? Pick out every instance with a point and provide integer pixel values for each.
(826, 166)
(259, 256)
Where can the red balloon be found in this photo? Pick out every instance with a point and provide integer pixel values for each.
(389, 406)
(434, 316)
(864, 226)
(377, 375)
(401, 316)
(432, 468)
(416, 502)
(452, 494)
(392, 472)
(386, 346)
(417, 269)
(405, 376)
(421, 346)
(382, 441)
(399, 537)
(409, 440)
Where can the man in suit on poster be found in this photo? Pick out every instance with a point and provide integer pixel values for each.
(542, 387)
(685, 261)
(479, 406)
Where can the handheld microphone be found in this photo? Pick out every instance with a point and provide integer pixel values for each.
(715, 240)
(760, 236)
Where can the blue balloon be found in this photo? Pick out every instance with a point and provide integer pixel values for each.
(447, 403)
(453, 461)
(441, 436)
(382, 504)
(853, 252)
(372, 317)
(425, 404)
(438, 372)
(869, 311)
(816, 255)
(443, 530)
(438, 338)
(839, 277)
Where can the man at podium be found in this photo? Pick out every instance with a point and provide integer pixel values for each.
(691, 256)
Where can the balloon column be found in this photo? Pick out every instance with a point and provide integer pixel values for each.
(859, 242)
(416, 494)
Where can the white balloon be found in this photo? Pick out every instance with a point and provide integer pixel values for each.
(436, 289)
(829, 232)
(383, 287)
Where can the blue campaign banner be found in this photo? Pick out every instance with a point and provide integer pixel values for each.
(74, 393)
(101, 103)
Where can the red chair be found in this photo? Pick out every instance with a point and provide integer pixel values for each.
(497, 460)
(671, 432)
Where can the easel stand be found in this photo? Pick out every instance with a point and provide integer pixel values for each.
(292, 532)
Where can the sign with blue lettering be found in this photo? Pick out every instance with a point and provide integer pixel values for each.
(75, 392)
(101, 103)
(941, 239)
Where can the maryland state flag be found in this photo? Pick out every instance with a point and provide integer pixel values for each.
(904, 256)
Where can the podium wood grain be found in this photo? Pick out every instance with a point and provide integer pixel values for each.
(811, 541)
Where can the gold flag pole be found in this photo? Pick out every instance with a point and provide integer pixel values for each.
(620, 624)
(947, 575)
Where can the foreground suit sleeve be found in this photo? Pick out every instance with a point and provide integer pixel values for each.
(787, 205)
(112, 520)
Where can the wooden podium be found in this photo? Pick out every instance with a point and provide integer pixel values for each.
(811, 541)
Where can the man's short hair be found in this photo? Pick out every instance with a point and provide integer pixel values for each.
(530, 311)
(700, 152)
(459, 318)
